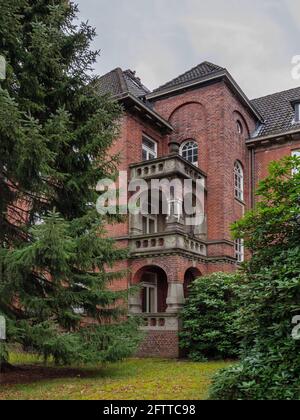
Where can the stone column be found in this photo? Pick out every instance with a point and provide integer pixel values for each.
(135, 224)
(175, 220)
(175, 299)
(135, 303)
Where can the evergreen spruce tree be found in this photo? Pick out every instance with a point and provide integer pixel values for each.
(55, 132)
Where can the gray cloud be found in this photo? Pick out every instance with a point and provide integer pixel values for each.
(160, 39)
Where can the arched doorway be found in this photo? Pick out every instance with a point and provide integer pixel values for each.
(190, 276)
(154, 289)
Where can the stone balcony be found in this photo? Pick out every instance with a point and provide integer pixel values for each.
(166, 167)
(150, 244)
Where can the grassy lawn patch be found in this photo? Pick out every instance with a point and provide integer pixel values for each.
(132, 379)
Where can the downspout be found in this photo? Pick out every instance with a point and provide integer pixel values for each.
(253, 180)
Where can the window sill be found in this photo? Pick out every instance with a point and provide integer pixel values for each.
(242, 202)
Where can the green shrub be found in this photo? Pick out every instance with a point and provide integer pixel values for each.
(265, 375)
(270, 294)
(209, 317)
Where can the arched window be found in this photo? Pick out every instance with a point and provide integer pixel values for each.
(238, 181)
(189, 151)
(239, 126)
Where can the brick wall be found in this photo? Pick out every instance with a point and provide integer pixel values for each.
(160, 344)
(209, 116)
(268, 153)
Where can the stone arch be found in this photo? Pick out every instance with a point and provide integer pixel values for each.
(190, 122)
(239, 117)
(188, 119)
(190, 276)
(153, 301)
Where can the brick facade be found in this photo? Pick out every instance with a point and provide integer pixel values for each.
(208, 114)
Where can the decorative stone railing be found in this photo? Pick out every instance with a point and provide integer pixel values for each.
(144, 244)
(164, 167)
(160, 322)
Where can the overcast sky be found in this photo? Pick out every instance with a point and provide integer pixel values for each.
(160, 39)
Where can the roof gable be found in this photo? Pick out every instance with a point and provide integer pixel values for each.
(202, 70)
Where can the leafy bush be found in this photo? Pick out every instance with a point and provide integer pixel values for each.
(209, 318)
(270, 295)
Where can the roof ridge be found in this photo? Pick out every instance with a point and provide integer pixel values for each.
(209, 63)
(213, 67)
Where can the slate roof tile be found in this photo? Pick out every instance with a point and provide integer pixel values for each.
(278, 112)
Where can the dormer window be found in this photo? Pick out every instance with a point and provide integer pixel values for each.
(297, 112)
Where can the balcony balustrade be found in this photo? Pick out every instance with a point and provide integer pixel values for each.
(160, 322)
(166, 166)
(145, 244)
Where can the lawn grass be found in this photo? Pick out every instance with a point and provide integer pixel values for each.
(134, 379)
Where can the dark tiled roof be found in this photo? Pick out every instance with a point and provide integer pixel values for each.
(278, 112)
(202, 70)
(119, 82)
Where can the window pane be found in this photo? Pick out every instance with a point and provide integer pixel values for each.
(297, 108)
(149, 143)
(189, 151)
(144, 155)
(238, 181)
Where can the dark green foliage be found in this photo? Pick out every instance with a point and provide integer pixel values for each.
(270, 295)
(209, 318)
(55, 135)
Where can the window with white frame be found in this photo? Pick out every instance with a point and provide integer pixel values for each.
(239, 250)
(297, 113)
(238, 181)
(189, 151)
(149, 149)
(149, 225)
(295, 153)
(149, 293)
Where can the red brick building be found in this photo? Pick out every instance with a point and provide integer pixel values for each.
(199, 126)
